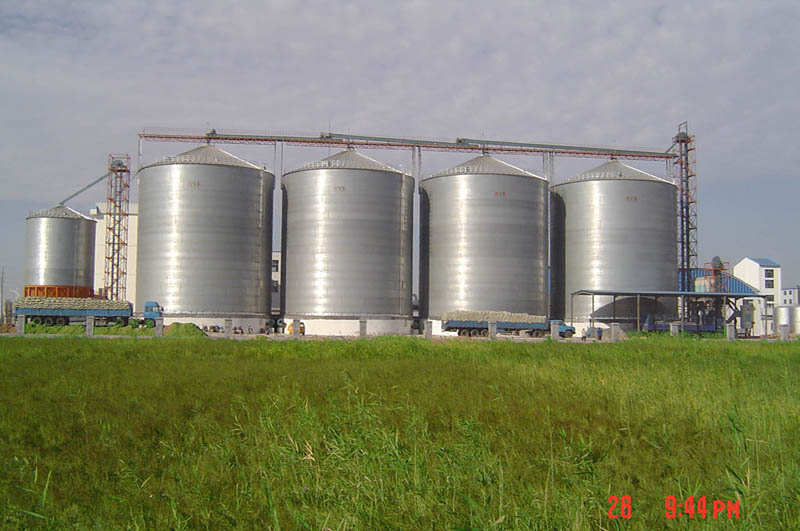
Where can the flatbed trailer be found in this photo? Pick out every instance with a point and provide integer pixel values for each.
(62, 310)
(481, 328)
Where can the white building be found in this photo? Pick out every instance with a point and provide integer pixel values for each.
(98, 213)
(765, 276)
(790, 296)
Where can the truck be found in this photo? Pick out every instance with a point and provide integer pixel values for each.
(62, 310)
(476, 324)
(152, 311)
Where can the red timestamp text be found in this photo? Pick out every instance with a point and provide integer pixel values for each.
(693, 507)
(620, 507)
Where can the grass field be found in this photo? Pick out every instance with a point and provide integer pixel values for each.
(395, 433)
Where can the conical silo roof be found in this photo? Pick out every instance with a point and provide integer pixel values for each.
(347, 160)
(58, 211)
(485, 165)
(615, 170)
(206, 154)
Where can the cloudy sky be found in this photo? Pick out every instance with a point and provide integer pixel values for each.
(80, 79)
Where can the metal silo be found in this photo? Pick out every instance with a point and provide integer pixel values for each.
(59, 253)
(348, 239)
(614, 228)
(794, 326)
(205, 235)
(784, 316)
(484, 246)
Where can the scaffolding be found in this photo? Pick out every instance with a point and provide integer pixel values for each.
(117, 204)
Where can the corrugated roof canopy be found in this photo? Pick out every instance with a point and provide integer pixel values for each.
(207, 154)
(485, 165)
(346, 160)
(615, 169)
(58, 211)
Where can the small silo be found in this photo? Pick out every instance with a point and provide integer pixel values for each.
(613, 228)
(59, 253)
(205, 237)
(483, 239)
(784, 315)
(348, 247)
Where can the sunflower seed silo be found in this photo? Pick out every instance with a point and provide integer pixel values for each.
(614, 228)
(205, 237)
(59, 253)
(348, 251)
(484, 246)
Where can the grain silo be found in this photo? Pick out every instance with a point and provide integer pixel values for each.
(613, 228)
(787, 315)
(59, 253)
(348, 253)
(205, 238)
(483, 239)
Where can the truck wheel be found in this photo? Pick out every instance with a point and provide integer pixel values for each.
(36, 320)
(48, 321)
(484, 333)
(463, 332)
(474, 332)
(61, 321)
(149, 323)
(568, 334)
(538, 333)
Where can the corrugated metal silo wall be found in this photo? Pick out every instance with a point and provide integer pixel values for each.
(487, 247)
(619, 234)
(59, 251)
(205, 239)
(348, 243)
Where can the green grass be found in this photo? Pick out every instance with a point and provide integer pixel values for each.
(173, 330)
(394, 433)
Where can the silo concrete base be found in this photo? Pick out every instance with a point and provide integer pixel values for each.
(350, 327)
(437, 330)
(247, 324)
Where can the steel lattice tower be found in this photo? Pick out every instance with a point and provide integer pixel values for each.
(118, 199)
(684, 169)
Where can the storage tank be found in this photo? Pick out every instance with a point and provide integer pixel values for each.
(205, 236)
(348, 240)
(794, 326)
(784, 316)
(483, 239)
(59, 253)
(613, 228)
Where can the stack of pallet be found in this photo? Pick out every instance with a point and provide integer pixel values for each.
(505, 317)
(70, 303)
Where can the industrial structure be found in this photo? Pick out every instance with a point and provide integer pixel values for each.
(59, 253)
(613, 228)
(102, 251)
(483, 239)
(764, 275)
(117, 201)
(347, 251)
(493, 237)
(205, 238)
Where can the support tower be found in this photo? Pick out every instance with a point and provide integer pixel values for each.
(683, 168)
(118, 199)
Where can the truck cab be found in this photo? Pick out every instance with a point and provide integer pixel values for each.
(152, 310)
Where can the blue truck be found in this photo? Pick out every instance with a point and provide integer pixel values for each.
(475, 328)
